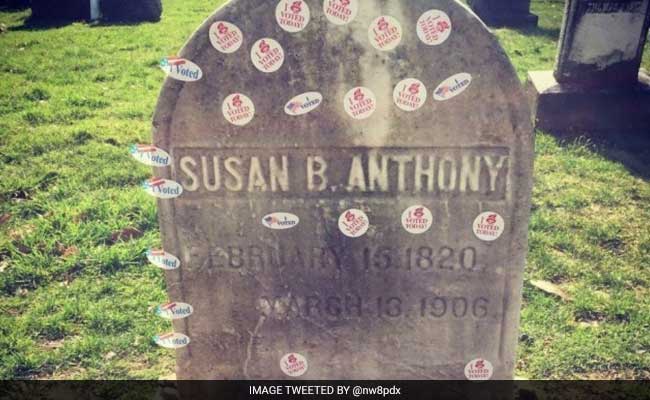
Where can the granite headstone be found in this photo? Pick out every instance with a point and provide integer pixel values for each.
(348, 195)
(505, 13)
(597, 84)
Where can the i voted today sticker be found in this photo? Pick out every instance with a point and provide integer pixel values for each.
(479, 370)
(452, 87)
(410, 94)
(267, 55)
(294, 365)
(488, 226)
(150, 155)
(172, 340)
(292, 15)
(303, 104)
(341, 12)
(238, 109)
(181, 69)
(163, 260)
(354, 223)
(226, 37)
(434, 27)
(385, 33)
(174, 311)
(417, 219)
(162, 188)
(280, 221)
(360, 103)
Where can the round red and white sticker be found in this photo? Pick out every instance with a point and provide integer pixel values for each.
(410, 94)
(385, 33)
(226, 37)
(434, 27)
(417, 219)
(360, 103)
(341, 12)
(354, 223)
(267, 55)
(238, 109)
(488, 226)
(294, 365)
(479, 370)
(292, 15)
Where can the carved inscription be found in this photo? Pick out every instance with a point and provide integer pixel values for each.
(443, 172)
(606, 7)
(260, 258)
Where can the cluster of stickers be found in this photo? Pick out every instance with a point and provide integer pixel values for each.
(385, 33)
(164, 189)
(296, 365)
(417, 219)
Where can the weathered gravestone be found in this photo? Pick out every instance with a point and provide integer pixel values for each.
(108, 10)
(131, 11)
(61, 10)
(355, 184)
(499, 13)
(596, 85)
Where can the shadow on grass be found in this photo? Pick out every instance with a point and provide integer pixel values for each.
(632, 149)
(33, 24)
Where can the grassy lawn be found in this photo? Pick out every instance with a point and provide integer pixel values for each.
(75, 288)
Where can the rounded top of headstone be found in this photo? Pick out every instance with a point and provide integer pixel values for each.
(344, 73)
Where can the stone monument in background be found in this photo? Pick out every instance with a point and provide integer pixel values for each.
(108, 10)
(344, 193)
(597, 84)
(505, 13)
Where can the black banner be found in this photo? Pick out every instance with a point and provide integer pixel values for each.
(263, 390)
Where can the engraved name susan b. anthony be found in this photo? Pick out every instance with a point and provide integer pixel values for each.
(480, 172)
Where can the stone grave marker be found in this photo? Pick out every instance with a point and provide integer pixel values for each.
(344, 193)
(500, 13)
(596, 85)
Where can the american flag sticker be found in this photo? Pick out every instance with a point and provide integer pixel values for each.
(150, 155)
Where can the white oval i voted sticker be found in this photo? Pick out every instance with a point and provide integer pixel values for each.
(292, 15)
(354, 223)
(294, 365)
(452, 87)
(341, 12)
(226, 37)
(162, 188)
(267, 55)
(163, 260)
(479, 370)
(150, 155)
(417, 219)
(303, 104)
(181, 69)
(360, 103)
(385, 33)
(410, 94)
(434, 27)
(238, 109)
(280, 221)
(488, 226)
(174, 311)
(172, 340)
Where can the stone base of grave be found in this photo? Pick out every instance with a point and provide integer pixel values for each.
(512, 20)
(565, 108)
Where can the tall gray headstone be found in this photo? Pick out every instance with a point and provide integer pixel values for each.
(348, 195)
(505, 13)
(596, 85)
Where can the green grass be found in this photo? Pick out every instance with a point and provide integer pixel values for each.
(75, 302)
